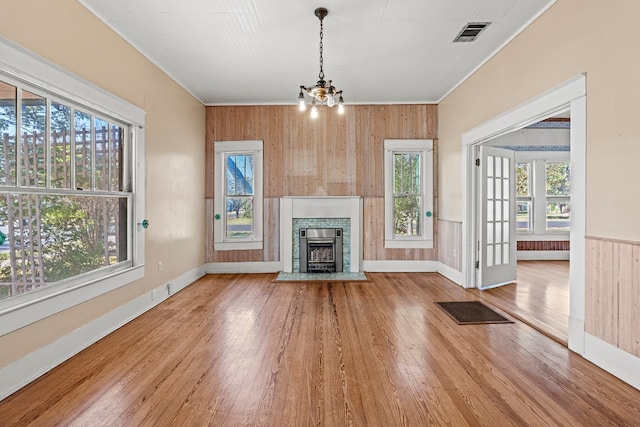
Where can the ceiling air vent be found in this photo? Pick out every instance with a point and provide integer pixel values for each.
(471, 31)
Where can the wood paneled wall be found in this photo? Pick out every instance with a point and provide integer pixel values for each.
(333, 155)
(449, 243)
(612, 311)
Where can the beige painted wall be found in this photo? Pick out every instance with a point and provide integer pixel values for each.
(573, 36)
(65, 33)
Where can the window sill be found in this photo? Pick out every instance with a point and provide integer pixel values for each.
(33, 307)
(237, 246)
(409, 244)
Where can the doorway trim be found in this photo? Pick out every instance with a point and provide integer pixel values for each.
(568, 96)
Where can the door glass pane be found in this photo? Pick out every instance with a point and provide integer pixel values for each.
(498, 167)
(489, 165)
(60, 145)
(505, 253)
(505, 167)
(489, 232)
(34, 114)
(559, 216)
(505, 210)
(498, 256)
(490, 188)
(498, 193)
(489, 210)
(505, 232)
(505, 188)
(498, 211)
(489, 255)
(498, 231)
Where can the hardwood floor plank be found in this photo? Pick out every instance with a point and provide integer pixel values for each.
(235, 350)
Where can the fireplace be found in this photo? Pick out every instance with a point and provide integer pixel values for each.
(321, 250)
(339, 212)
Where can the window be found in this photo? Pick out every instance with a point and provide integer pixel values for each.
(408, 193)
(67, 199)
(543, 188)
(558, 190)
(524, 197)
(238, 199)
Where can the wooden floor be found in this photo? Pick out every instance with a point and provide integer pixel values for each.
(235, 350)
(540, 297)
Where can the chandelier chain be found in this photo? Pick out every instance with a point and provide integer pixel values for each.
(321, 75)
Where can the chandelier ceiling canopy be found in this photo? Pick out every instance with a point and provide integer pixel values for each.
(323, 93)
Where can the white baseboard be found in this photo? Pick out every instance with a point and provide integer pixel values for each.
(26, 369)
(400, 266)
(450, 273)
(243, 267)
(542, 255)
(613, 360)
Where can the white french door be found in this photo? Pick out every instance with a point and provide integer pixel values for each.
(496, 261)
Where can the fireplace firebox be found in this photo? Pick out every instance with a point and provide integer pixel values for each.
(320, 250)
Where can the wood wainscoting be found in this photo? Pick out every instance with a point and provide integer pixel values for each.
(450, 243)
(612, 308)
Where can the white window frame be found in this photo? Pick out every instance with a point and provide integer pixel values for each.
(21, 65)
(537, 193)
(424, 147)
(222, 148)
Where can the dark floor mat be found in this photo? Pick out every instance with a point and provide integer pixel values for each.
(471, 313)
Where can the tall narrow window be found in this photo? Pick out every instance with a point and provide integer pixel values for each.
(238, 198)
(409, 193)
(558, 190)
(524, 196)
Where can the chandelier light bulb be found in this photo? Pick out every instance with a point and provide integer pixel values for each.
(340, 108)
(330, 101)
(314, 110)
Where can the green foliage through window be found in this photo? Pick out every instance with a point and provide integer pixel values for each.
(407, 203)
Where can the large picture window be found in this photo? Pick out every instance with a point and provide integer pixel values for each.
(62, 215)
(71, 190)
(238, 199)
(408, 193)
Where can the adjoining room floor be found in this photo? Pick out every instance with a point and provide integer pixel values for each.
(540, 297)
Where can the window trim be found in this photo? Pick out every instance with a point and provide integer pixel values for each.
(425, 148)
(59, 83)
(221, 148)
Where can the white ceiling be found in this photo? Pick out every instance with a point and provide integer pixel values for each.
(242, 52)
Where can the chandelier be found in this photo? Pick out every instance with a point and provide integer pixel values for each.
(323, 92)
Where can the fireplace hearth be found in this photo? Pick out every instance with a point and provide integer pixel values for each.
(321, 250)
